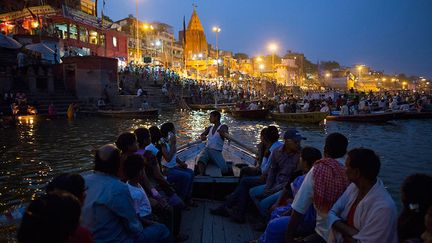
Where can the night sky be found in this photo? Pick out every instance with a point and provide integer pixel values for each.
(390, 35)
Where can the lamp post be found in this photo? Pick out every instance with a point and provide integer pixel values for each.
(273, 48)
(136, 33)
(359, 68)
(217, 30)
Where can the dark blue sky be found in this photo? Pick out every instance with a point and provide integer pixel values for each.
(390, 35)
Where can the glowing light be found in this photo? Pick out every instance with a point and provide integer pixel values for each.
(216, 29)
(34, 24)
(261, 66)
(259, 59)
(158, 43)
(327, 75)
(273, 47)
(200, 55)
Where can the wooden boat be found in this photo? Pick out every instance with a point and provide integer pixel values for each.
(413, 115)
(211, 106)
(251, 114)
(128, 113)
(373, 118)
(306, 117)
(216, 185)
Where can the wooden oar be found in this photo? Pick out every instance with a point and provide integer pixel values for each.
(189, 144)
(246, 147)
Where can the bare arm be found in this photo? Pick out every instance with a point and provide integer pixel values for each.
(168, 155)
(346, 230)
(205, 133)
(223, 131)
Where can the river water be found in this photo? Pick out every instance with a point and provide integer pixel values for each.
(37, 150)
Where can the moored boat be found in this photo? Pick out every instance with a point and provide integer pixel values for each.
(128, 113)
(305, 117)
(372, 118)
(251, 114)
(211, 106)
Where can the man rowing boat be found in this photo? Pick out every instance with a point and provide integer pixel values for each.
(215, 135)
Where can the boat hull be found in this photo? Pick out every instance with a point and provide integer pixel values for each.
(128, 114)
(371, 118)
(413, 115)
(251, 114)
(215, 185)
(307, 117)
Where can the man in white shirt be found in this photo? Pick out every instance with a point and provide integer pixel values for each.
(365, 212)
(252, 106)
(324, 107)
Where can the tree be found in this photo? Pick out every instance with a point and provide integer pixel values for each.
(309, 67)
(106, 18)
(329, 65)
(241, 56)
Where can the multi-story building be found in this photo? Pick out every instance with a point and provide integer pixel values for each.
(66, 29)
(156, 42)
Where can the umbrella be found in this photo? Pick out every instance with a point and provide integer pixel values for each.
(46, 52)
(9, 43)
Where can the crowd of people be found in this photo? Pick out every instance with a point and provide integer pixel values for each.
(353, 103)
(139, 189)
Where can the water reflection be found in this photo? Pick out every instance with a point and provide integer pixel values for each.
(38, 149)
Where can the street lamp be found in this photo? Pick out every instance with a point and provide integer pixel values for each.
(359, 68)
(217, 30)
(273, 48)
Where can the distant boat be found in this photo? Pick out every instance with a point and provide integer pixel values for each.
(129, 113)
(304, 117)
(251, 114)
(373, 117)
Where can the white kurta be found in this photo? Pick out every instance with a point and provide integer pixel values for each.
(375, 216)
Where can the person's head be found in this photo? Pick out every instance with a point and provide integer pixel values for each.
(272, 134)
(155, 134)
(143, 137)
(414, 194)
(127, 142)
(133, 167)
(215, 117)
(166, 128)
(69, 182)
(52, 217)
(292, 140)
(263, 137)
(308, 157)
(335, 145)
(107, 159)
(362, 164)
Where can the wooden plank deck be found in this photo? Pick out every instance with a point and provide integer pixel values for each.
(201, 226)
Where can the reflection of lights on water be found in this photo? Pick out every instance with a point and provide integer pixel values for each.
(325, 121)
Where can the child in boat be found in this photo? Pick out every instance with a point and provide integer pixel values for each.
(74, 184)
(282, 208)
(176, 170)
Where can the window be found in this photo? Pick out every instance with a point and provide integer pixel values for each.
(61, 30)
(114, 39)
(102, 40)
(93, 37)
(73, 32)
(83, 34)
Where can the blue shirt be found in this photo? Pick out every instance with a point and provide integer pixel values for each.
(108, 210)
(266, 161)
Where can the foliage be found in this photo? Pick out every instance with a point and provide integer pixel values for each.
(241, 56)
(309, 67)
(329, 65)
